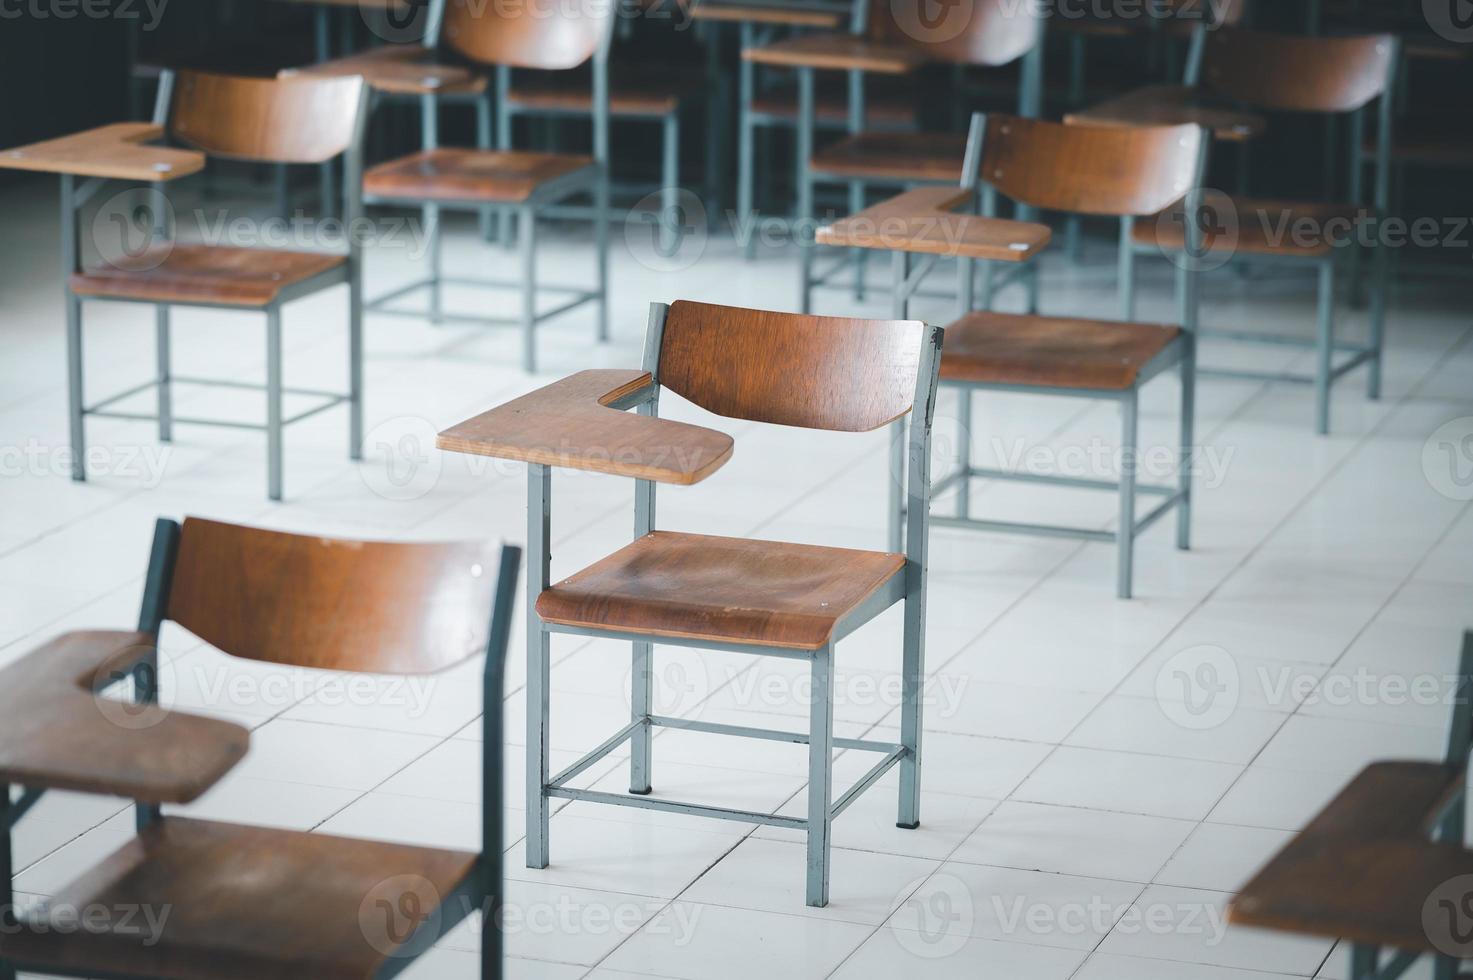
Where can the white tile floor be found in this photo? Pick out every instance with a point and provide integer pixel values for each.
(1080, 818)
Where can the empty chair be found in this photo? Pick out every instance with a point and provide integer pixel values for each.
(1119, 172)
(238, 900)
(765, 598)
(901, 35)
(503, 37)
(298, 120)
(1384, 865)
(1328, 76)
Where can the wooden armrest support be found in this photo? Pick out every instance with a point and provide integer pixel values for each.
(402, 69)
(764, 14)
(570, 424)
(837, 52)
(922, 220)
(60, 734)
(118, 151)
(1171, 105)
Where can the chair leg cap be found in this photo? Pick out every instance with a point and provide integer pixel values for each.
(908, 826)
(642, 792)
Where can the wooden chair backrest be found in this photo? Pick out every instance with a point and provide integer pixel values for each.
(817, 372)
(525, 34)
(1297, 74)
(380, 607)
(301, 119)
(983, 32)
(1106, 170)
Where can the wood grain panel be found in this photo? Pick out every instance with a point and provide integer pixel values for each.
(117, 152)
(735, 590)
(383, 607)
(178, 273)
(1171, 105)
(300, 119)
(245, 903)
(1090, 169)
(922, 221)
(989, 33)
(60, 735)
(1020, 349)
(838, 52)
(894, 156)
(791, 369)
(459, 174)
(1301, 74)
(404, 69)
(527, 35)
(1364, 868)
(568, 424)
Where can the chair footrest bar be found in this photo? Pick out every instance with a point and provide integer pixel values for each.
(1279, 340)
(675, 806)
(1083, 483)
(1286, 377)
(867, 780)
(609, 745)
(767, 734)
(1158, 512)
(1018, 527)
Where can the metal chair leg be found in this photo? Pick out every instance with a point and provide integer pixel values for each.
(1380, 297)
(483, 142)
(1125, 532)
(1363, 961)
(273, 403)
(74, 385)
(1324, 347)
(539, 666)
(912, 670)
(165, 390)
(432, 229)
(1444, 968)
(527, 242)
(805, 188)
(896, 535)
(601, 245)
(641, 698)
(859, 256)
(964, 450)
(1188, 436)
(283, 191)
(746, 155)
(670, 186)
(355, 364)
(820, 774)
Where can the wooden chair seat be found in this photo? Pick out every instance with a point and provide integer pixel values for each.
(894, 156)
(1263, 227)
(1022, 349)
(1365, 866)
(245, 902)
(1172, 105)
(886, 106)
(215, 274)
(455, 174)
(733, 590)
(634, 90)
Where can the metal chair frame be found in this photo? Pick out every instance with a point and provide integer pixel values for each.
(1366, 961)
(1030, 103)
(1324, 344)
(593, 180)
(75, 195)
(908, 587)
(1181, 353)
(482, 891)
